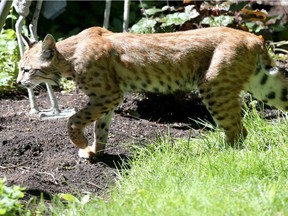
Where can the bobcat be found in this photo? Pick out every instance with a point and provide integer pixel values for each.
(219, 62)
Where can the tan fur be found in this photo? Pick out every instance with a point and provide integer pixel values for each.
(219, 61)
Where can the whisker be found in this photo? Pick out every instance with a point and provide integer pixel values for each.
(39, 87)
(53, 76)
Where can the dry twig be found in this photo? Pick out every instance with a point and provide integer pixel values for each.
(15, 166)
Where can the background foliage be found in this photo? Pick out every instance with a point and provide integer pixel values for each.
(8, 58)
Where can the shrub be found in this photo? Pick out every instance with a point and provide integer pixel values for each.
(9, 56)
(9, 199)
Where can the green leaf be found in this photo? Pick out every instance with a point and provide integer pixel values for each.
(214, 21)
(9, 199)
(254, 27)
(152, 11)
(11, 16)
(69, 197)
(10, 34)
(175, 19)
(144, 26)
(279, 28)
(85, 199)
(2, 211)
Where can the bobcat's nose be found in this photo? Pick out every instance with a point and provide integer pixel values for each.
(18, 81)
(20, 77)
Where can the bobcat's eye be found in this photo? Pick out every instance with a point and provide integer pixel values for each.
(25, 70)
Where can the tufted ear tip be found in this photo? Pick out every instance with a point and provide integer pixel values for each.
(49, 42)
(49, 37)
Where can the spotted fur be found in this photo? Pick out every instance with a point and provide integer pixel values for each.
(219, 62)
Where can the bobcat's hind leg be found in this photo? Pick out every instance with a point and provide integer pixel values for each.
(225, 109)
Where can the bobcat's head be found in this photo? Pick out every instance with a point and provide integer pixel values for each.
(37, 65)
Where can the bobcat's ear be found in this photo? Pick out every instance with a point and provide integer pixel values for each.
(27, 41)
(48, 47)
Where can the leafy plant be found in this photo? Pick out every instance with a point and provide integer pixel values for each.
(195, 14)
(72, 199)
(74, 204)
(214, 21)
(67, 85)
(9, 55)
(144, 26)
(9, 199)
(164, 19)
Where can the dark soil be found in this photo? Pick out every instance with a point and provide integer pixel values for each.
(38, 155)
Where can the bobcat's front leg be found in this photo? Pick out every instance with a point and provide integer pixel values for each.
(101, 129)
(98, 110)
(76, 125)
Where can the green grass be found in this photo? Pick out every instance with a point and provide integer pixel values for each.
(201, 177)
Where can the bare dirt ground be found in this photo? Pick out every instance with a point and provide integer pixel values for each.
(38, 155)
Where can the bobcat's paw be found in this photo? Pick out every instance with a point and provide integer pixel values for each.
(86, 153)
